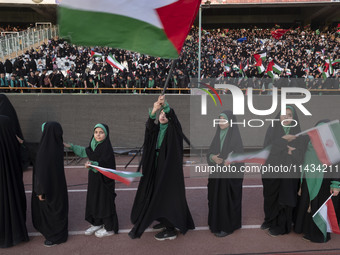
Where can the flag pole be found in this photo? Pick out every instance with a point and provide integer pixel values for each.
(169, 75)
(322, 205)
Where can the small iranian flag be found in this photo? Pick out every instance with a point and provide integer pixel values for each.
(269, 70)
(113, 62)
(156, 28)
(122, 176)
(258, 157)
(325, 218)
(288, 72)
(96, 54)
(325, 139)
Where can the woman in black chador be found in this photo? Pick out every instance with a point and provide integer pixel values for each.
(100, 199)
(49, 197)
(12, 193)
(280, 190)
(225, 191)
(161, 191)
(7, 109)
(315, 187)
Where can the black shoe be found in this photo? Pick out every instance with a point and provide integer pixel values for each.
(159, 226)
(306, 238)
(265, 226)
(48, 243)
(132, 235)
(274, 232)
(166, 235)
(222, 234)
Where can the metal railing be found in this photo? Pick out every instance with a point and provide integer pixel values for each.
(13, 44)
(132, 90)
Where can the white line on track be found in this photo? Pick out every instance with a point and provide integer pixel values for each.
(134, 189)
(125, 231)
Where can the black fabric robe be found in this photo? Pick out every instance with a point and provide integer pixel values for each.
(12, 193)
(50, 217)
(304, 222)
(7, 109)
(225, 192)
(280, 193)
(161, 190)
(100, 199)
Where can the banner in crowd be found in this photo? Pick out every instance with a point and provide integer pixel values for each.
(156, 28)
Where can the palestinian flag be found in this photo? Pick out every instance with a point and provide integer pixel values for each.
(156, 28)
(113, 62)
(326, 142)
(325, 218)
(96, 54)
(227, 68)
(269, 70)
(122, 176)
(258, 157)
(277, 68)
(260, 57)
(338, 32)
(278, 33)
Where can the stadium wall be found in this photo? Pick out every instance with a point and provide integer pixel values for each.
(126, 116)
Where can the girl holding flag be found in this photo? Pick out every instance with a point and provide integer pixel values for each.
(316, 186)
(100, 200)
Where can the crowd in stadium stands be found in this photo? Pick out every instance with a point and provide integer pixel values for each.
(228, 56)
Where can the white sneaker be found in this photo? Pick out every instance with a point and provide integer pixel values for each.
(102, 232)
(92, 229)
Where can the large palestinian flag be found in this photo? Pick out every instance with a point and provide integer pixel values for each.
(152, 27)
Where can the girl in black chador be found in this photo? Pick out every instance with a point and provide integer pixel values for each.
(100, 200)
(49, 197)
(12, 193)
(224, 192)
(161, 191)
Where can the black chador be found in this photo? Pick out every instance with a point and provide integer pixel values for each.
(50, 212)
(225, 190)
(7, 109)
(161, 191)
(12, 193)
(280, 191)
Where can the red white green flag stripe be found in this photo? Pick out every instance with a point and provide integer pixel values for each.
(325, 139)
(156, 28)
(277, 68)
(258, 157)
(122, 176)
(113, 62)
(269, 70)
(325, 218)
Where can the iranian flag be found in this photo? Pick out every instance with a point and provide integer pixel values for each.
(113, 62)
(122, 176)
(96, 54)
(325, 218)
(269, 70)
(156, 28)
(325, 139)
(324, 74)
(258, 157)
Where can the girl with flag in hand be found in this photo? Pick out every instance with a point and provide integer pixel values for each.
(315, 187)
(161, 191)
(100, 200)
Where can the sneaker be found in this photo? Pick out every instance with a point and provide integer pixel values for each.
(103, 232)
(159, 226)
(92, 229)
(166, 235)
(221, 234)
(48, 243)
(265, 226)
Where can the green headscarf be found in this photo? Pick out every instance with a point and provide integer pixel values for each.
(223, 132)
(161, 134)
(94, 143)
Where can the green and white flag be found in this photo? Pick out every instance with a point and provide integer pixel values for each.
(152, 27)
